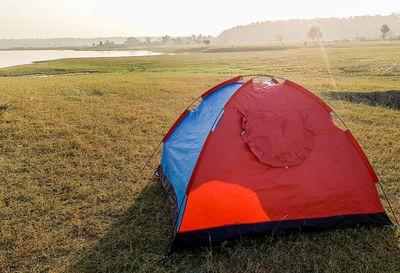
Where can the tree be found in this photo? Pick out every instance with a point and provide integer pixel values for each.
(178, 40)
(384, 29)
(199, 39)
(132, 41)
(148, 40)
(165, 39)
(206, 42)
(109, 43)
(314, 33)
(279, 36)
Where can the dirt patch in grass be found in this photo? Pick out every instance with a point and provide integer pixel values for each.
(389, 99)
(4, 107)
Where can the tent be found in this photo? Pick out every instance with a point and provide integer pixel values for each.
(263, 156)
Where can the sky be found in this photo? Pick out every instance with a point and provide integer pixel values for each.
(106, 18)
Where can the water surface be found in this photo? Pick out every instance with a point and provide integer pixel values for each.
(18, 57)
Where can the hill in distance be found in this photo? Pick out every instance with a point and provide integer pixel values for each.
(352, 28)
(358, 27)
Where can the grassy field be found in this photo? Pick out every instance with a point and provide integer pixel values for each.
(72, 198)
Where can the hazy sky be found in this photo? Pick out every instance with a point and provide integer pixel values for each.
(93, 18)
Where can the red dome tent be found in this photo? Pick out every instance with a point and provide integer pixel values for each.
(263, 156)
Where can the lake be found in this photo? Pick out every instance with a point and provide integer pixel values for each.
(18, 57)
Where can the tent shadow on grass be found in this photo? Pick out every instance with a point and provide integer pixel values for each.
(139, 236)
(138, 241)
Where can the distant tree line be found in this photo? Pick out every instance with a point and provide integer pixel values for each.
(185, 40)
(315, 33)
(357, 28)
(106, 43)
(165, 40)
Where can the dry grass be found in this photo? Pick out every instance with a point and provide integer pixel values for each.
(72, 198)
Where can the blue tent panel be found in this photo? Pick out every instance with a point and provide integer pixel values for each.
(186, 141)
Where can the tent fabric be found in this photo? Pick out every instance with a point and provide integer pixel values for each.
(202, 237)
(183, 146)
(282, 140)
(274, 161)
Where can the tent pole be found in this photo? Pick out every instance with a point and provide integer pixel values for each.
(340, 119)
(390, 206)
(264, 75)
(150, 157)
